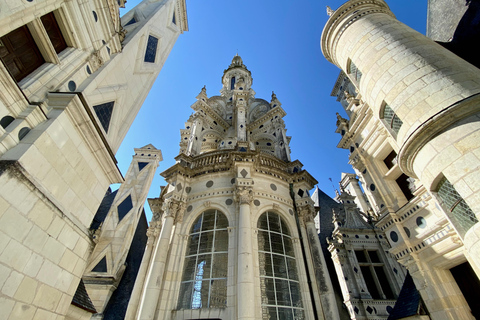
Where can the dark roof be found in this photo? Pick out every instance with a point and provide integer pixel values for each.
(103, 209)
(408, 301)
(82, 300)
(117, 306)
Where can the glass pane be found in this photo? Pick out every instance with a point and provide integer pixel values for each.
(189, 268)
(262, 222)
(185, 297)
(298, 314)
(265, 261)
(370, 282)
(374, 256)
(287, 242)
(192, 246)
(203, 267)
(221, 240)
(208, 220)
(292, 269)
(284, 227)
(274, 222)
(296, 295)
(220, 265)
(218, 294)
(382, 278)
(279, 266)
(285, 314)
(200, 294)
(263, 241)
(270, 313)
(197, 224)
(222, 221)
(277, 244)
(360, 256)
(283, 292)
(206, 242)
(267, 286)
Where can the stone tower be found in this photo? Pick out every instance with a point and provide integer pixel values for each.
(412, 132)
(233, 235)
(73, 76)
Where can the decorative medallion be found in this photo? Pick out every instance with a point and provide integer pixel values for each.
(273, 187)
(209, 184)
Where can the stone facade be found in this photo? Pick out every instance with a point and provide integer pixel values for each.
(412, 131)
(233, 235)
(73, 77)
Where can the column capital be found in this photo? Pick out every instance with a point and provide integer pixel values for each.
(306, 211)
(244, 195)
(175, 209)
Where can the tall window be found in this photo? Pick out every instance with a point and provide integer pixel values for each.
(232, 83)
(391, 119)
(462, 216)
(281, 298)
(204, 280)
(21, 54)
(374, 274)
(355, 72)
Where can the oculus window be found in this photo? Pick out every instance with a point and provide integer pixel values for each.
(281, 296)
(204, 279)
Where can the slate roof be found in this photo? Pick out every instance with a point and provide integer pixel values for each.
(103, 209)
(82, 300)
(117, 306)
(408, 301)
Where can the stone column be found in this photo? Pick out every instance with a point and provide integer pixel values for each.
(328, 308)
(245, 283)
(173, 211)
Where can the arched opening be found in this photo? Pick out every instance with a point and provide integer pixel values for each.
(204, 279)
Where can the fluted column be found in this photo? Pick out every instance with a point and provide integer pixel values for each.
(173, 211)
(245, 284)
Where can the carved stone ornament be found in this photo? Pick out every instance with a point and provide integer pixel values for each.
(175, 209)
(306, 212)
(207, 204)
(244, 195)
(95, 60)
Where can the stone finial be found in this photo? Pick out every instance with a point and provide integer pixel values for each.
(274, 96)
(330, 11)
(341, 120)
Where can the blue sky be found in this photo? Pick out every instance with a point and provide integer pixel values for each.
(279, 42)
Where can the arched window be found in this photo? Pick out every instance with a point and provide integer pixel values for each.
(232, 83)
(281, 297)
(204, 280)
(460, 213)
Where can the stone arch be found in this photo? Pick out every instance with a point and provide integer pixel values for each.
(258, 108)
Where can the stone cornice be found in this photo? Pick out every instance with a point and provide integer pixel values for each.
(342, 18)
(431, 128)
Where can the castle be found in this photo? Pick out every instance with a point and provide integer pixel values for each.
(235, 234)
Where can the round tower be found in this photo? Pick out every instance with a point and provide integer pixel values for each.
(427, 97)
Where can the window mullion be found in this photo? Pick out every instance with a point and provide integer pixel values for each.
(43, 42)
